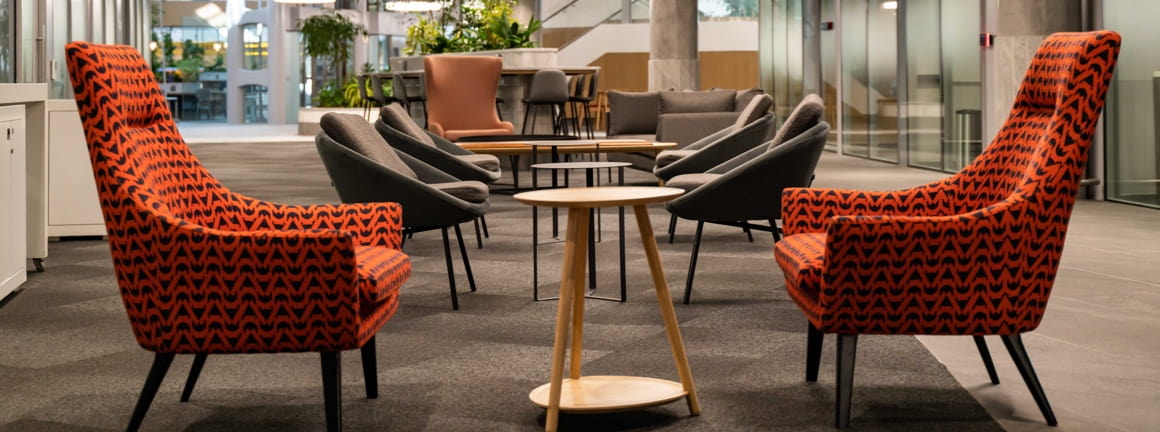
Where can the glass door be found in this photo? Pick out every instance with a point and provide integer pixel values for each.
(882, 78)
(1132, 123)
(855, 92)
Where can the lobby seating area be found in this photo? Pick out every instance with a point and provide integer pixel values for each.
(202, 269)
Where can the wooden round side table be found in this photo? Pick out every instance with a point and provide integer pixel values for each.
(598, 394)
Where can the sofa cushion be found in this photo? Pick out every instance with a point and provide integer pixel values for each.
(485, 161)
(632, 112)
(757, 107)
(357, 134)
(697, 101)
(398, 119)
(669, 156)
(471, 191)
(744, 96)
(688, 182)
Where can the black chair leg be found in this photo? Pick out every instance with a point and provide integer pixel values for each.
(478, 234)
(450, 270)
(157, 372)
(332, 389)
(524, 128)
(814, 339)
(370, 368)
(466, 262)
(748, 233)
(194, 372)
(672, 227)
(985, 353)
(693, 262)
(1018, 353)
(773, 230)
(483, 221)
(847, 347)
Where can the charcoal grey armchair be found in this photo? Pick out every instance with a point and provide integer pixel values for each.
(753, 127)
(402, 133)
(364, 168)
(747, 187)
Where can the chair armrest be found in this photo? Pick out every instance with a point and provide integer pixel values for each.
(297, 280)
(371, 224)
(811, 210)
(434, 157)
(751, 191)
(436, 128)
(721, 150)
(448, 146)
(977, 273)
(687, 128)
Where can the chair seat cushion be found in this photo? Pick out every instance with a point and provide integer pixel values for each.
(688, 182)
(381, 271)
(485, 161)
(471, 191)
(802, 258)
(669, 156)
(455, 135)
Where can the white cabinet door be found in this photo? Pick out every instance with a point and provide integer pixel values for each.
(12, 200)
(73, 206)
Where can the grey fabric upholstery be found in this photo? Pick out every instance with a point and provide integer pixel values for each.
(358, 178)
(752, 190)
(721, 147)
(697, 101)
(640, 161)
(632, 112)
(688, 182)
(548, 86)
(445, 155)
(669, 156)
(758, 106)
(686, 128)
(470, 191)
(396, 117)
(806, 115)
(485, 161)
(745, 96)
(356, 133)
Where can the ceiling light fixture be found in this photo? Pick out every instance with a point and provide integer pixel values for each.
(412, 5)
(890, 5)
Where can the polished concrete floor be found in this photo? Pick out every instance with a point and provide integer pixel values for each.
(1096, 352)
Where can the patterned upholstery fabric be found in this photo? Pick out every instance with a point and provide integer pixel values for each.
(975, 253)
(205, 270)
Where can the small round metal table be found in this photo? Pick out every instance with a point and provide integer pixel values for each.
(597, 394)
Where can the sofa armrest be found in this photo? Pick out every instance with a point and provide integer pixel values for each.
(687, 128)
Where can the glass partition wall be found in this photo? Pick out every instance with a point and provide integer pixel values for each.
(1132, 114)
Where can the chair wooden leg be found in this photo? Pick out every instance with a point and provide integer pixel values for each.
(847, 347)
(693, 262)
(672, 227)
(450, 270)
(814, 339)
(466, 262)
(332, 389)
(194, 372)
(370, 368)
(985, 353)
(1018, 353)
(157, 372)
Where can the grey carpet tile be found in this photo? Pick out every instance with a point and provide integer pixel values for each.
(72, 363)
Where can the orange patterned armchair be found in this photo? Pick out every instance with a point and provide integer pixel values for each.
(974, 254)
(203, 270)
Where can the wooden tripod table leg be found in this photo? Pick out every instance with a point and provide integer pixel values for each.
(571, 285)
(666, 304)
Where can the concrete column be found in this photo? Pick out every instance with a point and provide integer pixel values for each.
(673, 45)
(1019, 27)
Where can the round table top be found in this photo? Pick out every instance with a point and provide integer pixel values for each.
(580, 165)
(608, 196)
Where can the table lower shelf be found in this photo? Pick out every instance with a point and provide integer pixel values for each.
(602, 394)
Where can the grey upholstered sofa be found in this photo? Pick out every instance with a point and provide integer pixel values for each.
(682, 117)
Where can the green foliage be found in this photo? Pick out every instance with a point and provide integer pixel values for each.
(189, 49)
(741, 8)
(330, 37)
(219, 63)
(331, 95)
(491, 26)
(188, 68)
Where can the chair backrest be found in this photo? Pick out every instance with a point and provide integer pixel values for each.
(355, 133)
(807, 114)
(377, 89)
(398, 87)
(361, 82)
(548, 86)
(593, 85)
(396, 118)
(755, 109)
(461, 91)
